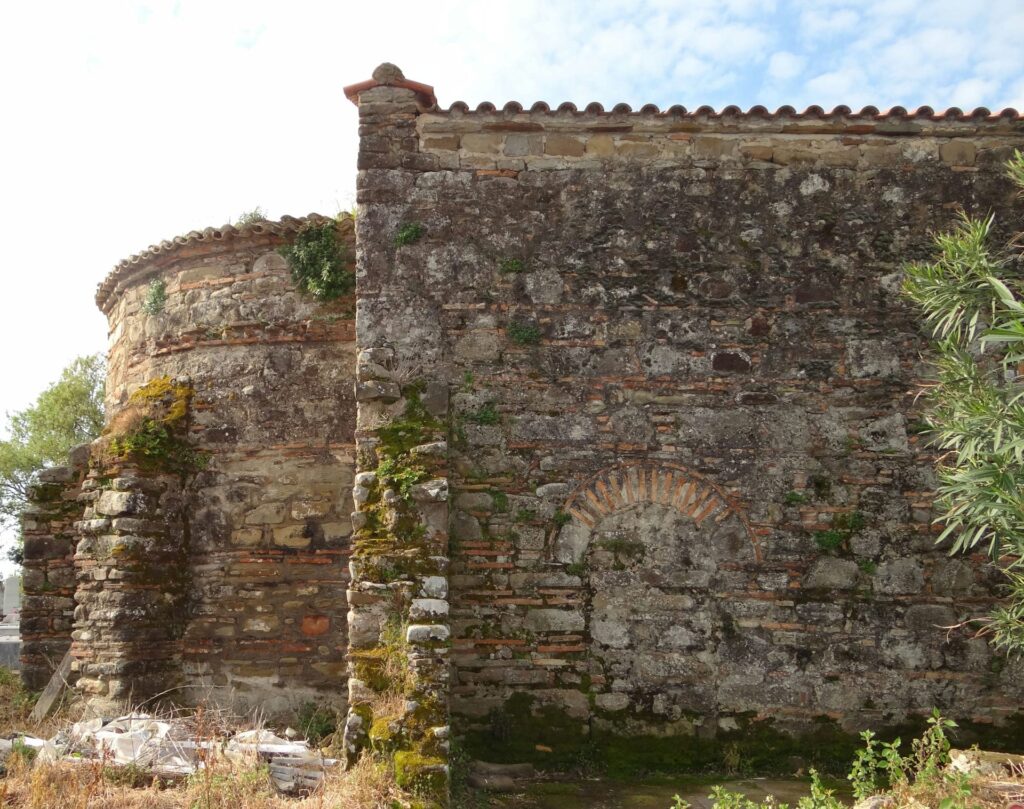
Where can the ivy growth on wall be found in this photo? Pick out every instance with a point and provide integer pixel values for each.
(319, 262)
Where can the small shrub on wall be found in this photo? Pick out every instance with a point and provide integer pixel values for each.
(319, 262)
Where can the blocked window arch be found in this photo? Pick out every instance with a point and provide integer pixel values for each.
(620, 487)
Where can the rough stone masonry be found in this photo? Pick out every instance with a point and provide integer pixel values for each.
(633, 432)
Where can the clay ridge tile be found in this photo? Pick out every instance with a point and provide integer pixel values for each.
(732, 111)
(126, 268)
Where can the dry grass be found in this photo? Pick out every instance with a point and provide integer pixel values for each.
(92, 785)
(16, 704)
(222, 784)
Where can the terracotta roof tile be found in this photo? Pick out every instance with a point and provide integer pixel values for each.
(388, 74)
(168, 249)
(757, 111)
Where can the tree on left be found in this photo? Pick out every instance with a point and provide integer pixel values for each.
(68, 413)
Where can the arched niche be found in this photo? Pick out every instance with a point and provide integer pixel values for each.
(630, 487)
(658, 549)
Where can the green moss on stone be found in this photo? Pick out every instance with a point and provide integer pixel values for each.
(425, 776)
(508, 266)
(551, 740)
(151, 430)
(386, 734)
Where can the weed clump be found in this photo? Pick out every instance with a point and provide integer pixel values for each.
(523, 332)
(486, 414)
(319, 262)
(317, 723)
(510, 266)
(151, 429)
(409, 233)
(156, 297)
(253, 217)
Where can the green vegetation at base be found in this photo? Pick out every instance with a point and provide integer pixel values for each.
(919, 777)
(722, 798)
(547, 737)
(317, 723)
(911, 766)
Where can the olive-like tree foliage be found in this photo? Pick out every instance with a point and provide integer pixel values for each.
(971, 299)
(68, 413)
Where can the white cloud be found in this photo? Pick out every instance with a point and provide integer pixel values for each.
(784, 65)
(966, 93)
(838, 87)
(816, 24)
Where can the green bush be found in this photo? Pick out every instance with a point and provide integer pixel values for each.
(971, 298)
(319, 262)
(156, 297)
(257, 214)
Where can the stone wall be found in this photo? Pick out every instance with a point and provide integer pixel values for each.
(133, 576)
(48, 575)
(398, 622)
(636, 469)
(261, 532)
(687, 487)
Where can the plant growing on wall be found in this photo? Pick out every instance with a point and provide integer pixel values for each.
(151, 430)
(971, 299)
(319, 262)
(409, 233)
(252, 217)
(156, 297)
(523, 332)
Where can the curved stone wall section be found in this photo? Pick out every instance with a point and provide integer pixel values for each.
(267, 521)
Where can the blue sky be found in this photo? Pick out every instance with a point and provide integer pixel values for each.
(127, 123)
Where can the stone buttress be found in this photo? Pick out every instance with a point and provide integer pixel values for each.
(398, 621)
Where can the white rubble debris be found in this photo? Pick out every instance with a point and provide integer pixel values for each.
(168, 748)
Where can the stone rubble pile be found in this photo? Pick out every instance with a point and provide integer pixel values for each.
(173, 749)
